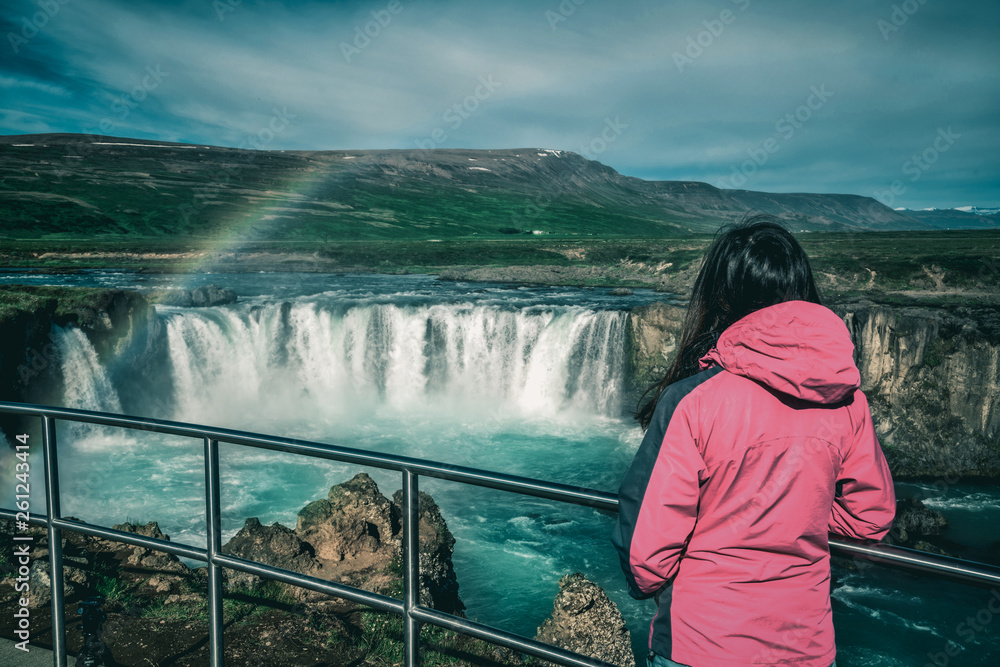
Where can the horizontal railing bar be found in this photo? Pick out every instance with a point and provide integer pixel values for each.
(34, 520)
(507, 639)
(376, 600)
(134, 539)
(501, 481)
(513, 483)
(978, 573)
(523, 485)
(972, 572)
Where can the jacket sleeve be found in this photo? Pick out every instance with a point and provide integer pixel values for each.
(866, 502)
(658, 501)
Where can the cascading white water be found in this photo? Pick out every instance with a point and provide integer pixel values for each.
(232, 366)
(87, 385)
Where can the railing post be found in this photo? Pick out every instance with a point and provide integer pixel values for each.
(52, 511)
(214, 532)
(411, 569)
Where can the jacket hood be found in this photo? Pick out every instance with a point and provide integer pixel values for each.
(798, 348)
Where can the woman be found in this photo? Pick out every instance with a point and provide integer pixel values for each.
(758, 443)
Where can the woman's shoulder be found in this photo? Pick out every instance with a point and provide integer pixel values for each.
(674, 393)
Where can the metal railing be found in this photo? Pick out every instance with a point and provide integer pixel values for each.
(412, 613)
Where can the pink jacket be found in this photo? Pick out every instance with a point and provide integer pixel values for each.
(742, 473)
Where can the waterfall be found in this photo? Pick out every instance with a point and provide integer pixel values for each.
(333, 360)
(87, 385)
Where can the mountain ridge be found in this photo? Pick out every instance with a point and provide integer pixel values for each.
(76, 186)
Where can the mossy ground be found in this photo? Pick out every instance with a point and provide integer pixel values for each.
(17, 300)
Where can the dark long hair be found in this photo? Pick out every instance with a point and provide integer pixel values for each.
(752, 264)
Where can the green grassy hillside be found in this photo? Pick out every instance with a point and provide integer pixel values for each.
(84, 187)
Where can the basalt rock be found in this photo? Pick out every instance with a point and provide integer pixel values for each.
(585, 621)
(274, 545)
(654, 331)
(914, 521)
(90, 563)
(161, 572)
(437, 576)
(199, 297)
(141, 557)
(352, 524)
(354, 536)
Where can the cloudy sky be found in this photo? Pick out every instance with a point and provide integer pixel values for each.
(898, 99)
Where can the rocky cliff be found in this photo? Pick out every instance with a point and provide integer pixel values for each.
(654, 332)
(119, 324)
(585, 621)
(931, 375)
(111, 319)
(354, 536)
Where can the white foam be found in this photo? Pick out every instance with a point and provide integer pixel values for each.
(973, 502)
(525, 554)
(862, 591)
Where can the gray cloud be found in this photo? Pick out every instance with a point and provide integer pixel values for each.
(701, 91)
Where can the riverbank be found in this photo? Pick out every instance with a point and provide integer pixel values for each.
(943, 265)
